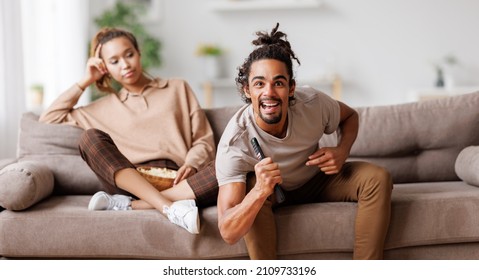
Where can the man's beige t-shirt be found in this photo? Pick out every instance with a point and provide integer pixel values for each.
(311, 114)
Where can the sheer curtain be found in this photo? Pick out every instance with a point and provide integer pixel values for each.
(12, 95)
(55, 36)
(52, 43)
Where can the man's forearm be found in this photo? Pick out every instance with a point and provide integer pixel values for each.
(237, 221)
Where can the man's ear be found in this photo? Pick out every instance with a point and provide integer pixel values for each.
(292, 88)
(246, 91)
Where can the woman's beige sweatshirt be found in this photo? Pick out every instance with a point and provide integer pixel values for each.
(164, 121)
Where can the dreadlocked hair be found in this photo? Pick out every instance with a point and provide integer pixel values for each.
(272, 45)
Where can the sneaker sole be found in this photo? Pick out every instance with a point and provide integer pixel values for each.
(196, 230)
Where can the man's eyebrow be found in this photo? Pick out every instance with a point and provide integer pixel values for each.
(279, 77)
(257, 78)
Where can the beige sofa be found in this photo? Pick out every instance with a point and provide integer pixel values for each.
(435, 214)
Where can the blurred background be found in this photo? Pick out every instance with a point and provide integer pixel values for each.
(364, 53)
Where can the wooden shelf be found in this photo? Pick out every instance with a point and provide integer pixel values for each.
(250, 5)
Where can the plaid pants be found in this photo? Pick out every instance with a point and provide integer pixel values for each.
(102, 155)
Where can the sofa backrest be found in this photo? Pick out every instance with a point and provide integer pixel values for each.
(219, 118)
(416, 142)
(420, 141)
(56, 146)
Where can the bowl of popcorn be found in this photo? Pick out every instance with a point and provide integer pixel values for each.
(161, 178)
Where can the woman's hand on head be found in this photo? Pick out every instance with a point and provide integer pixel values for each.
(184, 172)
(95, 69)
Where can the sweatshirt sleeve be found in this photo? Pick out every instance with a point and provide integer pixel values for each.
(203, 144)
(61, 110)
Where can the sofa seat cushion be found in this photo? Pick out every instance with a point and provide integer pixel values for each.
(433, 213)
(63, 227)
(423, 214)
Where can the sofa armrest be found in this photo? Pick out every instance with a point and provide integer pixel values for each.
(3, 163)
(467, 165)
(6, 161)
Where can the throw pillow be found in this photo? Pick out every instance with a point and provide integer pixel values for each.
(23, 184)
(467, 165)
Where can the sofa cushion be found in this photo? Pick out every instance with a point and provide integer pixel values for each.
(418, 142)
(68, 229)
(56, 146)
(219, 118)
(422, 214)
(467, 165)
(23, 184)
(433, 213)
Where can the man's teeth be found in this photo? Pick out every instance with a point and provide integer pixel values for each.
(270, 104)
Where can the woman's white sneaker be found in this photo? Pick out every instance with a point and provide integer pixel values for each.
(103, 201)
(184, 213)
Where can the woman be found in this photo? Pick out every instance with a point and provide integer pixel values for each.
(154, 122)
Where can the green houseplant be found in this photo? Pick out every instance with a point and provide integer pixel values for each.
(211, 55)
(208, 50)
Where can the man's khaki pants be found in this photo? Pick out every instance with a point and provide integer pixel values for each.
(367, 184)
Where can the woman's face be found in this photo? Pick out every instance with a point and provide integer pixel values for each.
(122, 60)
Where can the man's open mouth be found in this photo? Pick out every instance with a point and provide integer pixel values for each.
(270, 106)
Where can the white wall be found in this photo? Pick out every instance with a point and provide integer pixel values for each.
(382, 49)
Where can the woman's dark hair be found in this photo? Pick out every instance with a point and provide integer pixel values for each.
(269, 46)
(102, 37)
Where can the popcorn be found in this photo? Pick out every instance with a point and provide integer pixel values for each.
(158, 172)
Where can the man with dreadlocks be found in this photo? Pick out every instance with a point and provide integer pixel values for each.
(288, 122)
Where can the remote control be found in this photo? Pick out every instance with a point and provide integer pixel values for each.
(260, 155)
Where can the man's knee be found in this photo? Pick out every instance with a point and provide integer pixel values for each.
(379, 180)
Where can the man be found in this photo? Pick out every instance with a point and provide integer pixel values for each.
(288, 123)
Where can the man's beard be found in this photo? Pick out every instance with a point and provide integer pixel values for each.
(271, 119)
